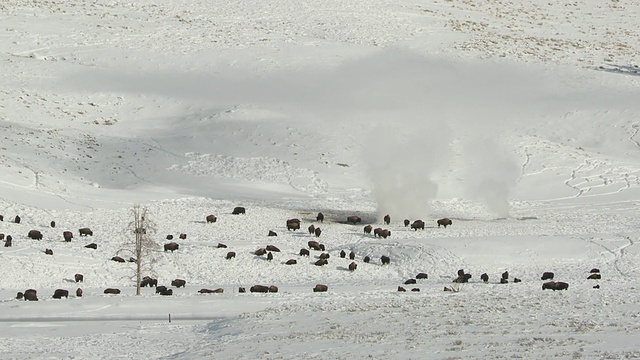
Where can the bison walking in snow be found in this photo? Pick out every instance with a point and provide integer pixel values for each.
(85, 232)
(444, 222)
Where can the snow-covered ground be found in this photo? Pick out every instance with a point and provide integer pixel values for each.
(517, 120)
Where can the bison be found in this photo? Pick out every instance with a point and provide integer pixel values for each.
(343, 254)
(8, 243)
(221, 246)
(547, 276)
(366, 259)
(52, 224)
(35, 235)
(353, 266)
(317, 231)
(293, 224)
(444, 222)
(464, 278)
(117, 259)
(320, 288)
(594, 270)
(148, 281)
(321, 262)
(48, 251)
(211, 218)
(383, 233)
(78, 277)
(20, 295)
(260, 252)
(410, 281)
(314, 245)
(272, 248)
(60, 293)
(16, 219)
(167, 292)
(85, 232)
(172, 246)
(238, 210)
(259, 288)
(242, 290)
(207, 291)
(367, 229)
(178, 283)
(304, 252)
(484, 277)
(67, 235)
(272, 233)
(516, 280)
(78, 292)
(269, 256)
(594, 276)
(422, 276)
(183, 236)
(230, 255)
(505, 275)
(418, 224)
(273, 289)
(324, 256)
(30, 295)
(311, 229)
(320, 217)
(385, 260)
(352, 255)
(92, 246)
(406, 222)
(555, 285)
(387, 219)
(353, 219)
(112, 291)
(160, 289)
(415, 289)
(401, 289)
(169, 237)
(504, 281)
(291, 262)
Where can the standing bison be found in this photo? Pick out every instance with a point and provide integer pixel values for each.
(85, 232)
(35, 235)
(320, 288)
(178, 283)
(78, 277)
(320, 217)
(317, 231)
(238, 210)
(230, 255)
(367, 229)
(444, 222)
(67, 235)
(547, 276)
(311, 229)
(304, 252)
(172, 246)
(353, 219)
(30, 295)
(272, 233)
(418, 224)
(385, 260)
(353, 266)
(387, 219)
(484, 277)
(555, 285)
(60, 293)
(293, 224)
(211, 218)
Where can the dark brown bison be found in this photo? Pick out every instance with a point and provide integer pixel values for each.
(594, 270)
(596, 286)
(320, 217)
(353, 219)
(183, 236)
(48, 251)
(79, 277)
(211, 218)
(516, 280)
(314, 245)
(367, 229)
(444, 222)
(291, 262)
(272, 248)
(78, 292)
(172, 246)
(242, 290)
(273, 289)
(594, 276)
(387, 219)
(464, 278)
(320, 288)
(272, 233)
(1, 236)
(322, 247)
(31, 295)
(167, 292)
(410, 281)
(422, 276)
(352, 255)
(321, 262)
(60, 293)
(260, 252)
(169, 237)
(415, 289)
(35, 235)
(317, 231)
(406, 222)
(383, 233)
(385, 260)
(208, 291)
(401, 289)
(555, 285)
(311, 229)
(160, 289)
(178, 283)
(418, 224)
(504, 281)
(230, 255)
(505, 275)
(353, 266)
(304, 252)
(221, 246)
(366, 259)
(1, 217)
(461, 272)
(148, 281)
(484, 277)
(112, 291)
(8, 242)
(67, 235)
(239, 210)
(269, 256)
(343, 254)
(85, 232)
(293, 224)
(16, 219)
(117, 259)
(547, 276)
(52, 224)
(324, 256)
(20, 295)
(259, 288)
(92, 246)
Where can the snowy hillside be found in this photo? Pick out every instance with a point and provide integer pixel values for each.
(519, 121)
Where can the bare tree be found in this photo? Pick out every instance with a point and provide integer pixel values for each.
(142, 248)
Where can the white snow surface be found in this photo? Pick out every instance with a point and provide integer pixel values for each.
(518, 120)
